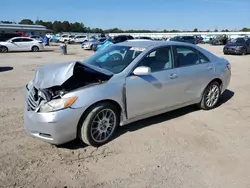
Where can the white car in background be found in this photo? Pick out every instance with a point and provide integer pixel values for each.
(66, 38)
(21, 44)
(80, 38)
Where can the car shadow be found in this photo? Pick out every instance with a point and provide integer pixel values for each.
(4, 69)
(225, 97)
(77, 144)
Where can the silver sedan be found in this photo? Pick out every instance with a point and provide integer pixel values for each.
(121, 84)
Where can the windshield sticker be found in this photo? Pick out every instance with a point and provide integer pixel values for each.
(137, 49)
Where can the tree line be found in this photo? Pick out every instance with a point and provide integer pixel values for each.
(66, 26)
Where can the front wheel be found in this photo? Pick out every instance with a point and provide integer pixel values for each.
(210, 96)
(4, 49)
(99, 125)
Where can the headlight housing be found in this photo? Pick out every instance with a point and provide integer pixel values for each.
(57, 104)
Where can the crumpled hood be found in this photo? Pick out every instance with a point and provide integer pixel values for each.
(56, 74)
(234, 44)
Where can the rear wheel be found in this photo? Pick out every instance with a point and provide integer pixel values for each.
(210, 96)
(99, 125)
(35, 49)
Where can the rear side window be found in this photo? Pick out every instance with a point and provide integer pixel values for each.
(186, 56)
(203, 58)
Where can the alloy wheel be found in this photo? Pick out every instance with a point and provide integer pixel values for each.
(103, 125)
(212, 95)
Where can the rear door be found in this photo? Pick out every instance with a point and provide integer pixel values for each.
(195, 72)
(26, 44)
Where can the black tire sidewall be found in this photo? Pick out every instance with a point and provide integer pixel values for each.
(85, 124)
(4, 49)
(35, 47)
(203, 102)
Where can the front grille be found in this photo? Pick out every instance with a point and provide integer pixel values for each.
(33, 100)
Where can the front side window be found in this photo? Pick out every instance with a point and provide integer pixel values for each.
(17, 40)
(114, 58)
(186, 56)
(158, 60)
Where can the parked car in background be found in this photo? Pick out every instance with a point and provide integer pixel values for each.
(80, 38)
(22, 44)
(198, 39)
(101, 42)
(188, 39)
(144, 37)
(121, 38)
(7, 36)
(36, 37)
(219, 40)
(123, 83)
(66, 38)
(207, 39)
(238, 46)
(49, 35)
(92, 43)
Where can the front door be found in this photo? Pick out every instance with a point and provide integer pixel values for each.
(157, 91)
(15, 45)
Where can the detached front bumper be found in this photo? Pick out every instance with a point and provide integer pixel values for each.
(54, 127)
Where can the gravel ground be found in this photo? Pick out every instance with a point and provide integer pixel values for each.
(185, 148)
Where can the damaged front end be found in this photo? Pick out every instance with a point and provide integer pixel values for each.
(46, 92)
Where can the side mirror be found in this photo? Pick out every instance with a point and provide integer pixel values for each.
(11, 41)
(142, 70)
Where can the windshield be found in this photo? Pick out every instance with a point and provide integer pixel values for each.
(238, 40)
(114, 58)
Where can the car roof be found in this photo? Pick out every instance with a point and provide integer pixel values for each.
(150, 43)
(20, 38)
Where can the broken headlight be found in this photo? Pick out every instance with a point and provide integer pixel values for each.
(57, 104)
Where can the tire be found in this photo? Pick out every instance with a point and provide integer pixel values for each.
(35, 49)
(90, 126)
(4, 49)
(204, 104)
(244, 52)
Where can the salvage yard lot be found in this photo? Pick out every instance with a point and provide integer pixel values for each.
(184, 148)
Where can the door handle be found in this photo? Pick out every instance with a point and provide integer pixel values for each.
(173, 76)
(209, 68)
